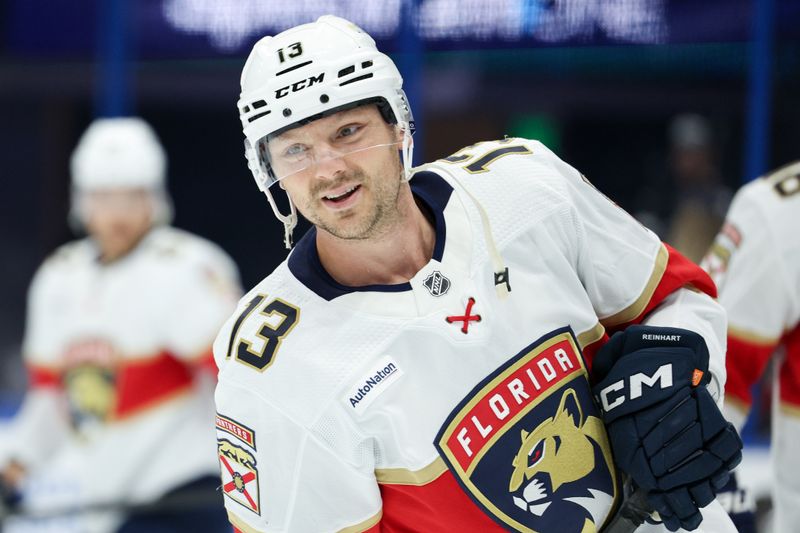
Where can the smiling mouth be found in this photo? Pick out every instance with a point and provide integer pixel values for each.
(343, 196)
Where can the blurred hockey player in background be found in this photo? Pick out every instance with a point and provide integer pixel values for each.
(428, 357)
(685, 200)
(118, 417)
(755, 261)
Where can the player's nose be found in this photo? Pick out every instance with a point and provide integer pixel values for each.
(329, 165)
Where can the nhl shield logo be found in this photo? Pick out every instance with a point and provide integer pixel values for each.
(436, 283)
(528, 446)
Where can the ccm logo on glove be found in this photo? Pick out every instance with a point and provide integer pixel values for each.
(661, 377)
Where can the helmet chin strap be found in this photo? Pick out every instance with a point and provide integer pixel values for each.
(289, 221)
(408, 150)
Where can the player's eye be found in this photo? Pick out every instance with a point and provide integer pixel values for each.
(295, 151)
(349, 130)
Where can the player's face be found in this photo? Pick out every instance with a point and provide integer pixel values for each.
(350, 188)
(117, 219)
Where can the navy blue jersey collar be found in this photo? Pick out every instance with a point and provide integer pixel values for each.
(305, 265)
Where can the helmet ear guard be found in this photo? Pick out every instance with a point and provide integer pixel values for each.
(407, 151)
(308, 72)
(290, 220)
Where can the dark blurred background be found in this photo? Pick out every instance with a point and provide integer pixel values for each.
(599, 81)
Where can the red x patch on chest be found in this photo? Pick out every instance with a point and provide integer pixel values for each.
(466, 318)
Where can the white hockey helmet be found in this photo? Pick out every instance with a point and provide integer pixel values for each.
(120, 153)
(308, 72)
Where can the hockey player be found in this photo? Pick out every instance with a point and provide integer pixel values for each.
(427, 356)
(118, 338)
(755, 261)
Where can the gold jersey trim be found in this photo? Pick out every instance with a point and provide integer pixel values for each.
(241, 525)
(790, 409)
(34, 359)
(173, 396)
(636, 308)
(591, 335)
(732, 402)
(365, 525)
(403, 476)
(752, 338)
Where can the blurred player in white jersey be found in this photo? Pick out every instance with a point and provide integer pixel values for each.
(117, 344)
(428, 357)
(755, 261)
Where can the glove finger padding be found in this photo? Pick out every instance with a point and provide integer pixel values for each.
(666, 431)
(670, 418)
(702, 493)
(698, 454)
(663, 505)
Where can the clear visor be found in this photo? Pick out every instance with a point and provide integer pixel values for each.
(280, 158)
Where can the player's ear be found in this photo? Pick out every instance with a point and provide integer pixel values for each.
(398, 133)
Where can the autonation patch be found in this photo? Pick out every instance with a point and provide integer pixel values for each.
(384, 372)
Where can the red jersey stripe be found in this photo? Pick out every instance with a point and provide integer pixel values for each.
(744, 363)
(141, 383)
(680, 272)
(206, 363)
(790, 370)
(440, 505)
(41, 376)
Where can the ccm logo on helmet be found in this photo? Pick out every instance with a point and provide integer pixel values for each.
(299, 85)
(662, 376)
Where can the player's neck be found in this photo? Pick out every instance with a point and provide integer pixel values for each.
(111, 251)
(394, 256)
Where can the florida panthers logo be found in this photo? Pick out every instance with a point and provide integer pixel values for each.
(90, 381)
(527, 445)
(545, 462)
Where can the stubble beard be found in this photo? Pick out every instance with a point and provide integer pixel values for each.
(380, 218)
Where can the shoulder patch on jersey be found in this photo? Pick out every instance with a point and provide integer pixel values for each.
(367, 388)
(527, 443)
(722, 249)
(239, 475)
(236, 429)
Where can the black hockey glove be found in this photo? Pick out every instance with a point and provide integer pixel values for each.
(666, 431)
(10, 498)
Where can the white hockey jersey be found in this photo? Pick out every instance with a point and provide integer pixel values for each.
(440, 404)
(117, 410)
(756, 263)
